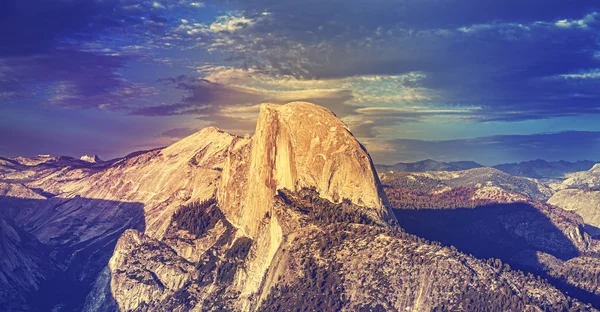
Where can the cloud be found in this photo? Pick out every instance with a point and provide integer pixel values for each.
(417, 13)
(229, 100)
(157, 5)
(376, 64)
(227, 97)
(56, 56)
(233, 106)
(591, 74)
(498, 59)
(569, 145)
(197, 4)
(230, 23)
(42, 25)
(75, 79)
(585, 22)
(366, 120)
(202, 97)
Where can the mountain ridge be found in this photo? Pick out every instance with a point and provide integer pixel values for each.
(296, 145)
(221, 222)
(538, 168)
(428, 165)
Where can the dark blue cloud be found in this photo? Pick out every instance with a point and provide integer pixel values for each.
(507, 57)
(417, 14)
(76, 79)
(200, 97)
(49, 44)
(31, 26)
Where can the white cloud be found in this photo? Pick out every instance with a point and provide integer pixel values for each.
(230, 23)
(289, 96)
(197, 4)
(580, 23)
(592, 74)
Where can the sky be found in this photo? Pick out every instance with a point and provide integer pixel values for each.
(490, 81)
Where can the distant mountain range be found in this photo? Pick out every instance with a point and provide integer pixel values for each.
(429, 165)
(533, 169)
(439, 181)
(544, 169)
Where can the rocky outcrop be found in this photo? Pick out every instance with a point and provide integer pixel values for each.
(359, 266)
(585, 203)
(161, 270)
(94, 159)
(295, 146)
(584, 180)
(164, 179)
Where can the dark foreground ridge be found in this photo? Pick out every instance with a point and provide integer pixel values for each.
(48, 262)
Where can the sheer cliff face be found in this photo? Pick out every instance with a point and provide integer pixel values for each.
(295, 146)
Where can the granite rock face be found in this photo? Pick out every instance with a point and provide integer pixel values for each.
(589, 179)
(295, 146)
(585, 203)
(299, 145)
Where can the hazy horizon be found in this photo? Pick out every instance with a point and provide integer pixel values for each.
(478, 149)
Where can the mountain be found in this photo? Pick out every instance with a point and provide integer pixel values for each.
(582, 180)
(293, 218)
(486, 179)
(428, 165)
(295, 146)
(543, 169)
(345, 260)
(464, 165)
(490, 221)
(585, 203)
(45, 172)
